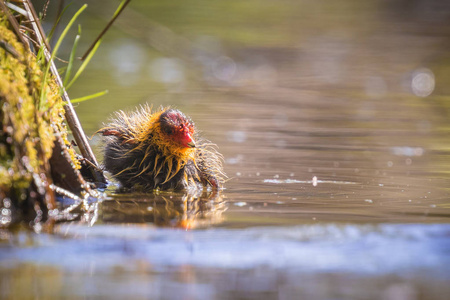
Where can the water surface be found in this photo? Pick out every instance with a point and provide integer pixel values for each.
(333, 121)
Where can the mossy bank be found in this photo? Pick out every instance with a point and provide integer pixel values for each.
(29, 132)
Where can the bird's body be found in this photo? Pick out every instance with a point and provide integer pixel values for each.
(159, 150)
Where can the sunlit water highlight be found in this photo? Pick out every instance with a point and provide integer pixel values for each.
(313, 182)
(312, 248)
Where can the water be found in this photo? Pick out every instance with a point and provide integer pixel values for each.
(314, 261)
(333, 121)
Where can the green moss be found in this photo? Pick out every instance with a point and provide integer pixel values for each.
(27, 131)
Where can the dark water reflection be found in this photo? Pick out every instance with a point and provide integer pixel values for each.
(333, 121)
(171, 210)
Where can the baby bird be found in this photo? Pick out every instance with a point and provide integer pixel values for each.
(160, 150)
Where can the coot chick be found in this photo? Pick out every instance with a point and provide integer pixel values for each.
(160, 150)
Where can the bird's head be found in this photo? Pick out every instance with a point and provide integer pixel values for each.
(177, 128)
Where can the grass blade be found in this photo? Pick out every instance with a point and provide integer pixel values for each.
(55, 50)
(92, 96)
(121, 7)
(62, 70)
(40, 56)
(72, 57)
(52, 31)
(84, 64)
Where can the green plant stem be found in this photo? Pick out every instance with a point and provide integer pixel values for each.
(72, 57)
(52, 31)
(119, 10)
(89, 97)
(55, 50)
(83, 65)
(70, 114)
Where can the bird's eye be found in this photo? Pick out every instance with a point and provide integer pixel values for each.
(169, 131)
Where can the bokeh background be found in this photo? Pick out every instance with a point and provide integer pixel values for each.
(333, 118)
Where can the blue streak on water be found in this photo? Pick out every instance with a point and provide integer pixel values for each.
(362, 249)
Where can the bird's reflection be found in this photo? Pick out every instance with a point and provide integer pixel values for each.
(161, 209)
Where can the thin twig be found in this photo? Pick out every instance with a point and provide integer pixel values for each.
(10, 49)
(105, 30)
(61, 60)
(24, 28)
(58, 15)
(35, 43)
(13, 23)
(65, 192)
(32, 15)
(44, 10)
(16, 9)
(71, 116)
